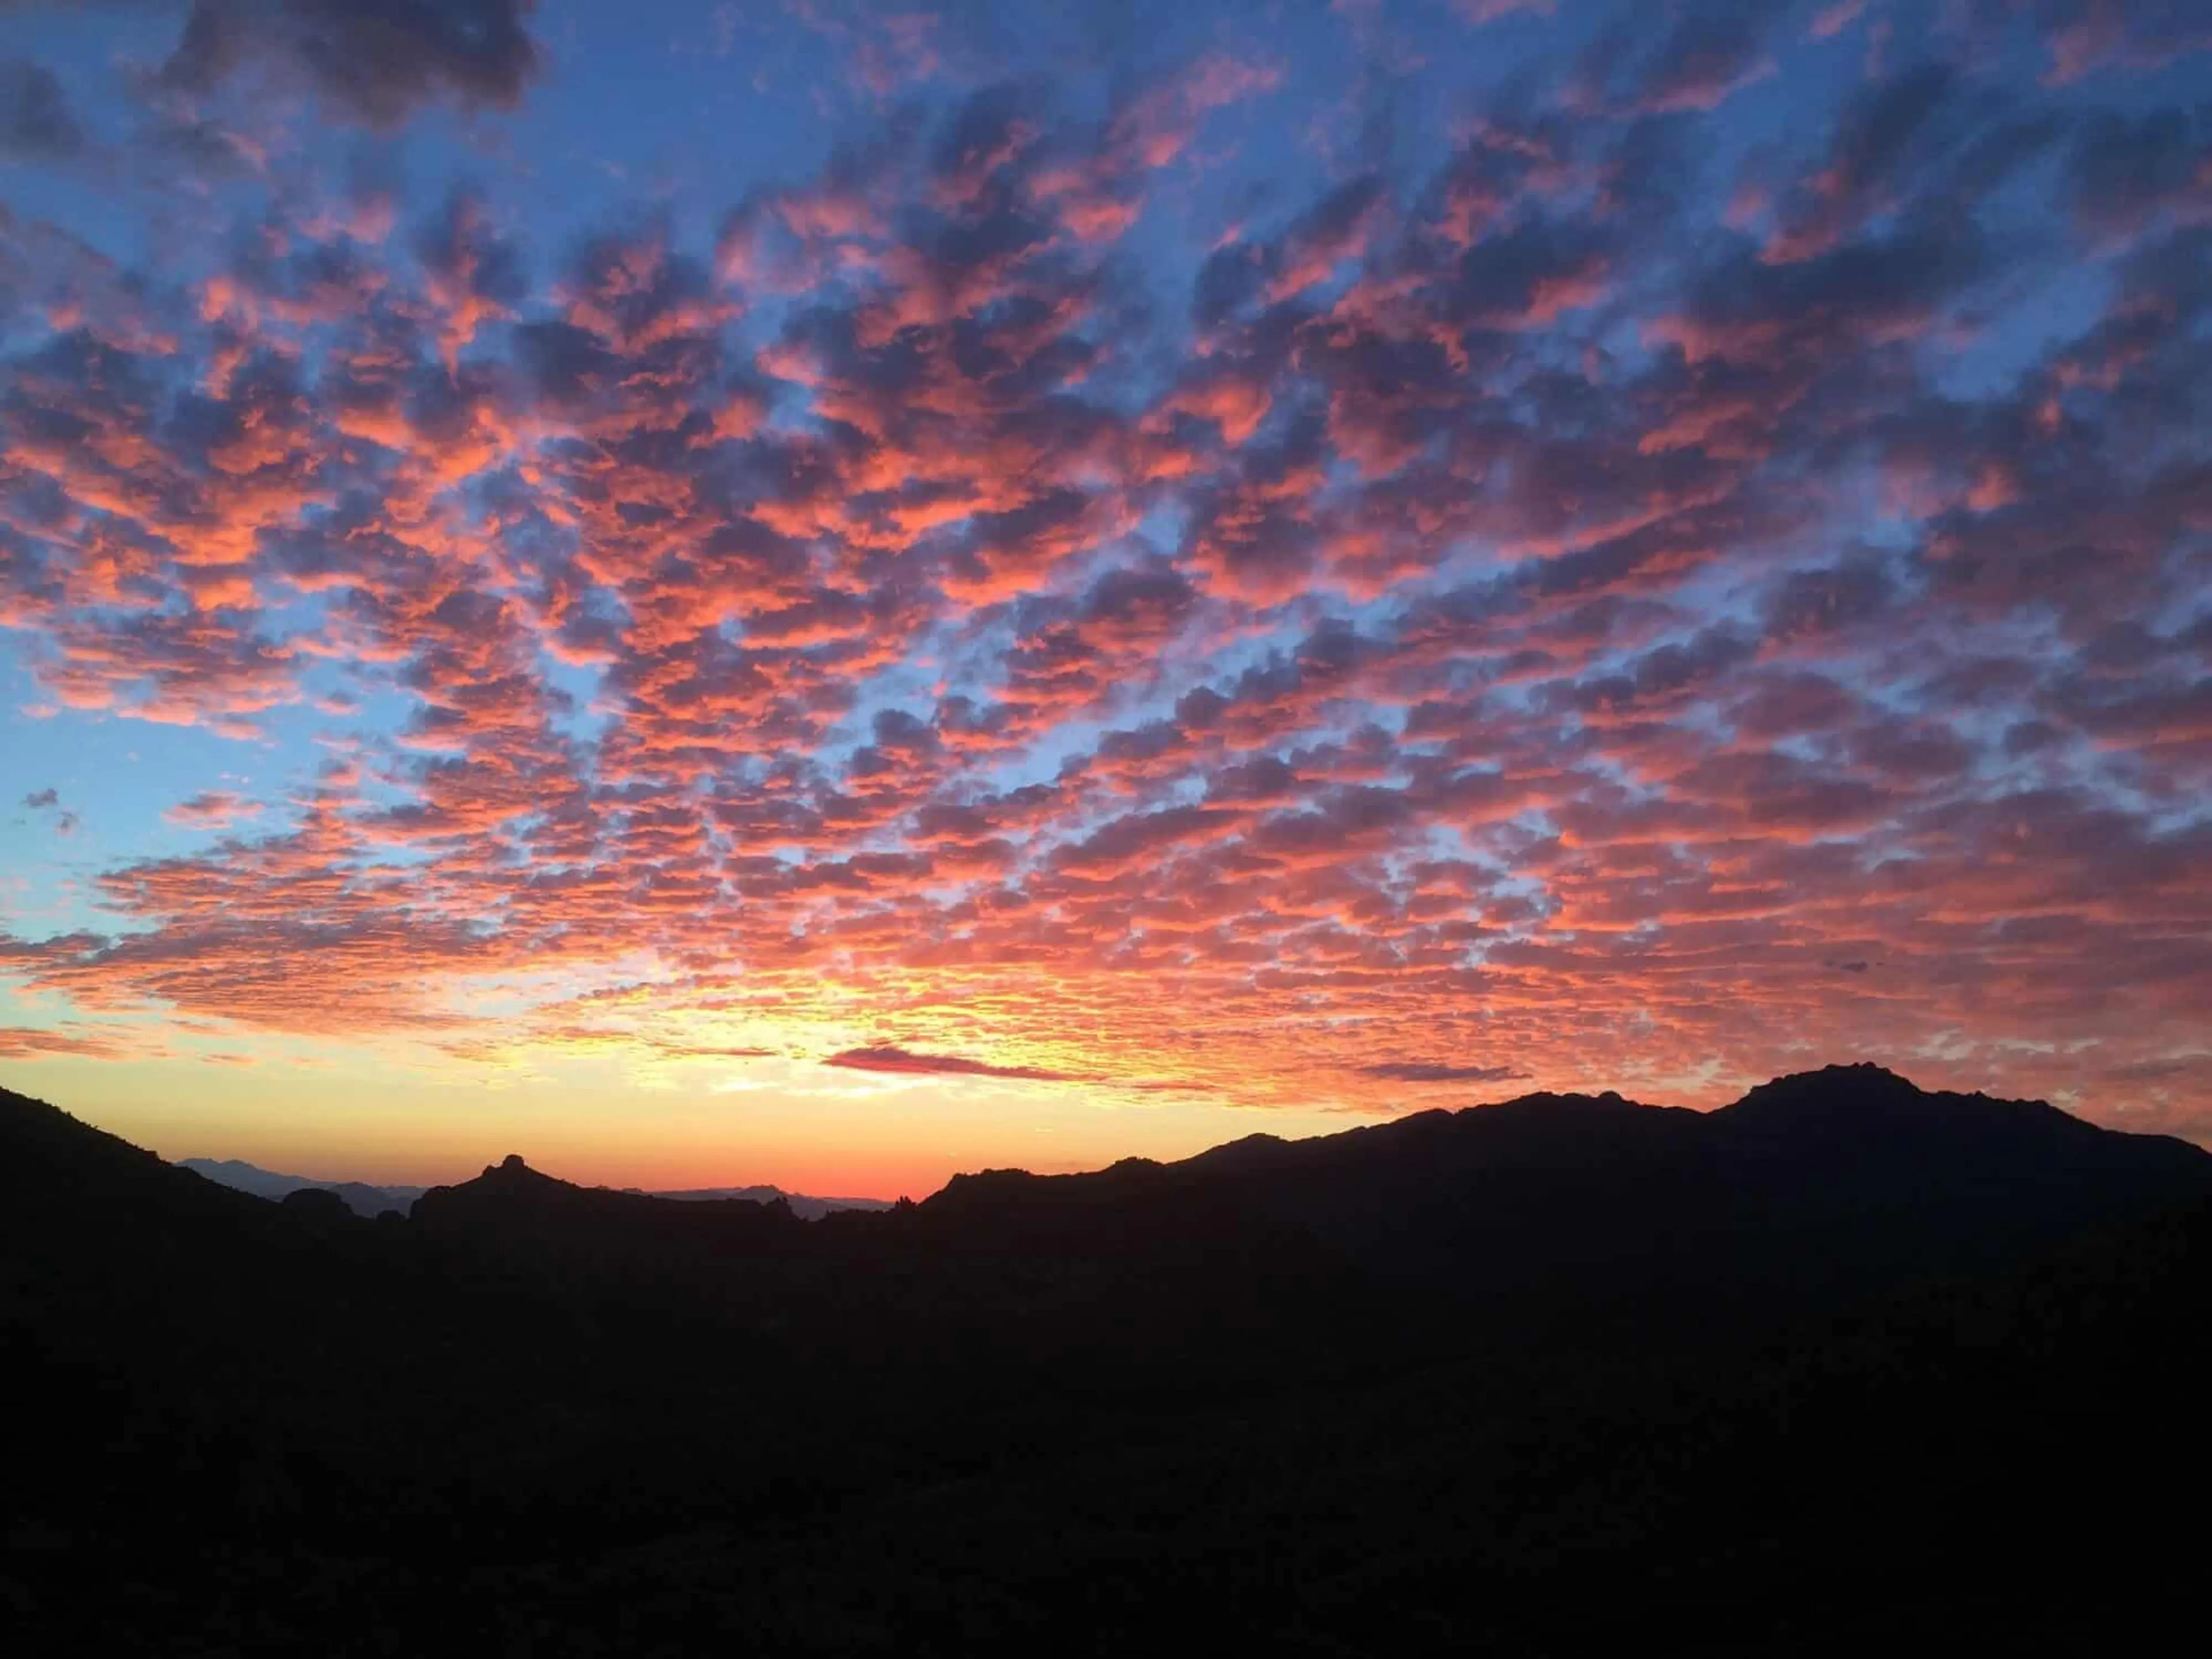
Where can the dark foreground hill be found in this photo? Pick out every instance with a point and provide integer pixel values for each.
(1842, 1363)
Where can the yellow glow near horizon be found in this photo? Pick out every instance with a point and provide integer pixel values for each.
(838, 1134)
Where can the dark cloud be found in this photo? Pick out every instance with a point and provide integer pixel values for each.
(1407, 1071)
(1718, 46)
(66, 822)
(1866, 167)
(36, 124)
(376, 60)
(885, 1057)
(2126, 171)
(2085, 36)
(1151, 835)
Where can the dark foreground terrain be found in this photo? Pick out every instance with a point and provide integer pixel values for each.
(1844, 1366)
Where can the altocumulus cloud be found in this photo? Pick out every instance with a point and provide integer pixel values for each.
(1077, 572)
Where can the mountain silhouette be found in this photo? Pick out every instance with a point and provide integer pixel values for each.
(367, 1199)
(805, 1205)
(1841, 1359)
(360, 1197)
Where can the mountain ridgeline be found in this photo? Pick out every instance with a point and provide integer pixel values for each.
(1560, 1371)
(365, 1200)
(358, 1196)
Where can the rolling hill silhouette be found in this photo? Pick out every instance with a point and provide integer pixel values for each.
(364, 1198)
(358, 1196)
(807, 1206)
(1563, 1370)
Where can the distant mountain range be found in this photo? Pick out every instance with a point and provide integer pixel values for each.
(360, 1197)
(1563, 1373)
(364, 1199)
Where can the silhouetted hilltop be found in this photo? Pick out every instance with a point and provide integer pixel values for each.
(1562, 1372)
(1867, 1105)
(365, 1199)
(99, 1218)
(514, 1212)
(1832, 1180)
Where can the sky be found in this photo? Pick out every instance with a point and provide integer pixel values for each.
(828, 592)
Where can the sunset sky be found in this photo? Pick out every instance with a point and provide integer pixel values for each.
(829, 592)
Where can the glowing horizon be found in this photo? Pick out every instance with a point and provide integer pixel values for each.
(832, 594)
